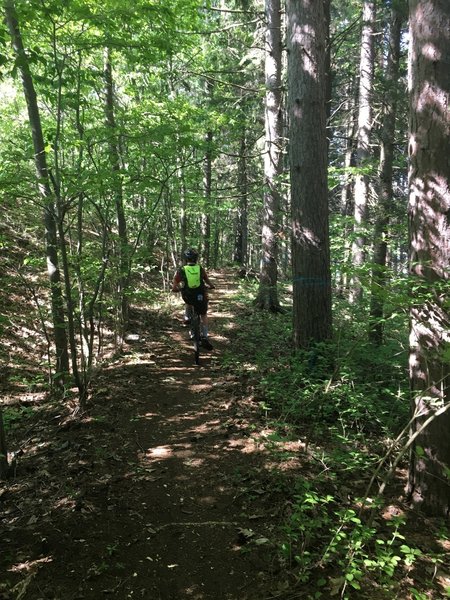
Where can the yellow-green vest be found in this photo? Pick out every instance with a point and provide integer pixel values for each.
(193, 276)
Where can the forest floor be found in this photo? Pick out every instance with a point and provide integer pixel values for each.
(164, 489)
(156, 492)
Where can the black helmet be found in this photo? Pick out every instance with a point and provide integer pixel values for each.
(191, 255)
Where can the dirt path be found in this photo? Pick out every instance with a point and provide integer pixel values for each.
(145, 498)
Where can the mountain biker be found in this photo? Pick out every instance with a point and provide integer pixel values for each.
(192, 281)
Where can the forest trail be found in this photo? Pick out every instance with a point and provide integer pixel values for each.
(148, 495)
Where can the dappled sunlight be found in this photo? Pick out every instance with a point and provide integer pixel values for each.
(391, 512)
(200, 387)
(194, 462)
(149, 416)
(183, 417)
(445, 545)
(243, 445)
(225, 292)
(158, 453)
(66, 503)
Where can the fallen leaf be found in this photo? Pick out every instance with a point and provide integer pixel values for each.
(260, 541)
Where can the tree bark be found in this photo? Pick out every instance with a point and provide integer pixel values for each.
(207, 189)
(40, 160)
(366, 73)
(268, 292)
(240, 251)
(347, 187)
(307, 38)
(124, 250)
(378, 283)
(429, 217)
(183, 211)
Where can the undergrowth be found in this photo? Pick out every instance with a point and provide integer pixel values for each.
(349, 400)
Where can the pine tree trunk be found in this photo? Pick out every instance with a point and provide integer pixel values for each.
(378, 290)
(308, 170)
(57, 304)
(366, 72)
(268, 292)
(429, 215)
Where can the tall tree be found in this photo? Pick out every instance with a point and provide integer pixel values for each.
(240, 250)
(366, 78)
(385, 189)
(429, 216)
(114, 154)
(268, 293)
(44, 186)
(307, 38)
(207, 190)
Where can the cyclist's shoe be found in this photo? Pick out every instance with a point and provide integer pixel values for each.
(207, 344)
(186, 321)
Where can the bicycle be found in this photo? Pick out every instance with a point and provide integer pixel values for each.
(195, 321)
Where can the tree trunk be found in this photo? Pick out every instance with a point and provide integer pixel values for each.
(307, 38)
(347, 187)
(328, 70)
(207, 189)
(171, 239)
(366, 71)
(124, 250)
(429, 216)
(59, 328)
(240, 251)
(268, 293)
(183, 212)
(378, 290)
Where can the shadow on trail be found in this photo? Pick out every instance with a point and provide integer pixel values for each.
(143, 497)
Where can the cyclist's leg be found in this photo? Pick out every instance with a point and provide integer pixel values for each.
(204, 319)
(188, 308)
(188, 311)
(188, 319)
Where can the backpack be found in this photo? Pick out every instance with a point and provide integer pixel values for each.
(194, 286)
(192, 276)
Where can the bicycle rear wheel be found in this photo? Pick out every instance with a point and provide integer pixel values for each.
(195, 333)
